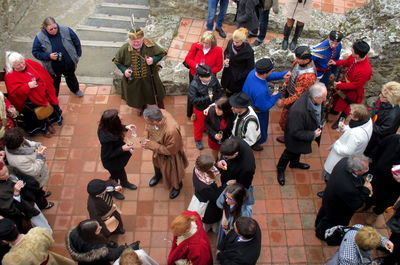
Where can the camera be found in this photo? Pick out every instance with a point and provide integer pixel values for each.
(59, 56)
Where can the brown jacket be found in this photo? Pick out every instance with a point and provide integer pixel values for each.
(168, 154)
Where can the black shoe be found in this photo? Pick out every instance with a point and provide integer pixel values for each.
(117, 195)
(153, 181)
(135, 245)
(252, 35)
(221, 33)
(293, 45)
(112, 244)
(129, 185)
(285, 44)
(47, 194)
(49, 205)
(281, 139)
(257, 147)
(199, 144)
(299, 165)
(281, 177)
(256, 43)
(174, 193)
(320, 194)
(120, 231)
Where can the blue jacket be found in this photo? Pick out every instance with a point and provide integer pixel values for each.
(259, 92)
(321, 54)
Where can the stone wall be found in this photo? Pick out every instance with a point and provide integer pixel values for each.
(11, 12)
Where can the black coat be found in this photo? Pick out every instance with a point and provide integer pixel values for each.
(386, 190)
(246, 14)
(240, 64)
(198, 93)
(240, 253)
(242, 167)
(88, 253)
(112, 155)
(209, 193)
(300, 126)
(213, 123)
(344, 195)
(386, 122)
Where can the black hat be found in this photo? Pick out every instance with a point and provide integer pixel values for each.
(303, 52)
(264, 65)
(96, 186)
(336, 36)
(203, 70)
(8, 230)
(240, 100)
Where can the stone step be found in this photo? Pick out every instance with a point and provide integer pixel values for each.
(139, 11)
(95, 80)
(110, 23)
(128, 2)
(93, 33)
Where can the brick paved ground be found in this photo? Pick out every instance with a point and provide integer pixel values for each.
(286, 214)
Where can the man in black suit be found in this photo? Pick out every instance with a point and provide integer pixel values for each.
(303, 125)
(345, 193)
(241, 246)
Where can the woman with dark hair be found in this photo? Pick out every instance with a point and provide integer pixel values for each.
(219, 123)
(238, 62)
(207, 188)
(115, 153)
(87, 246)
(235, 202)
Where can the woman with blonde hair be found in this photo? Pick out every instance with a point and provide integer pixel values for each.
(135, 257)
(204, 52)
(238, 62)
(29, 88)
(190, 244)
(385, 115)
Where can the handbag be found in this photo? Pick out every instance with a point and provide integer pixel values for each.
(111, 224)
(43, 112)
(197, 206)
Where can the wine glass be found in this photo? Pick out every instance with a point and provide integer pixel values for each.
(220, 135)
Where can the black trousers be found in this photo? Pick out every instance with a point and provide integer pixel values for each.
(119, 174)
(286, 157)
(70, 79)
(189, 109)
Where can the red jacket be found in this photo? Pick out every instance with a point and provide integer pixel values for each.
(18, 89)
(213, 58)
(353, 82)
(197, 248)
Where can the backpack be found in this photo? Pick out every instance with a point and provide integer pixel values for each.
(335, 235)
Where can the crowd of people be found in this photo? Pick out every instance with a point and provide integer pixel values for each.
(362, 170)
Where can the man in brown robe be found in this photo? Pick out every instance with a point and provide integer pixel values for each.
(165, 140)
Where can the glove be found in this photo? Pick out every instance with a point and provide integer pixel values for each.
(135, 245)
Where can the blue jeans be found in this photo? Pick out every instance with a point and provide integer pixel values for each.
(263, 18)
(212, 10)
(325, 78)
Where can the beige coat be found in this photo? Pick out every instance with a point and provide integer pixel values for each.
(298, 11)
(33, 249)
(30, 164)
(168, 154)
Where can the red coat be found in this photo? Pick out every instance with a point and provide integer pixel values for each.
(197, 248)
(18, 89)
(353, 82)
(213, 58)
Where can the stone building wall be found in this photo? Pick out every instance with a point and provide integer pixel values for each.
(11, 12)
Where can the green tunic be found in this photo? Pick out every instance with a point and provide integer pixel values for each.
(139, 91)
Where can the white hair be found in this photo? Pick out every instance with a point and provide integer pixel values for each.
(317, 90)
(11, 58)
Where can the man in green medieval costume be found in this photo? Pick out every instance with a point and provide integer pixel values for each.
(137, 60)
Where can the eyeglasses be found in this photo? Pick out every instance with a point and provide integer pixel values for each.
(229, 199)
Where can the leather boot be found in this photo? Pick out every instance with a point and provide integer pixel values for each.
(296, 36)
(286, 34)
(283, 162)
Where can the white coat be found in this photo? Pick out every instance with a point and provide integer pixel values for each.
(352, 142)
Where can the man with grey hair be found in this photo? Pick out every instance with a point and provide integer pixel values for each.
(345, 193)
(165, 140)
(303, 125)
